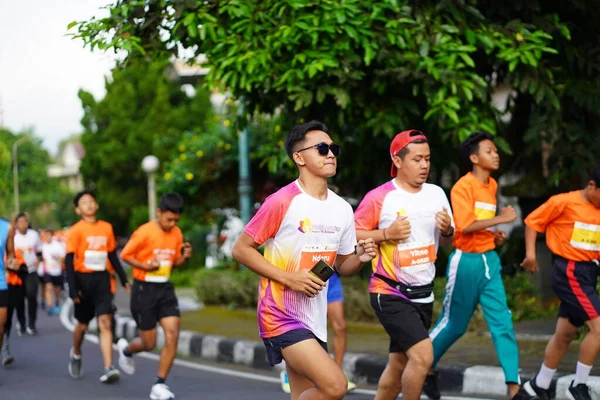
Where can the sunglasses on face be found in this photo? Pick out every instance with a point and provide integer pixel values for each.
(324, 148)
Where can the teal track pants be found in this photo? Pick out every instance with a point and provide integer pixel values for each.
(475, 278)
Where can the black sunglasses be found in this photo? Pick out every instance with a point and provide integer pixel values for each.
(324, 148)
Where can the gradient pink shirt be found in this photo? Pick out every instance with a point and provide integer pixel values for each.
(411, 261)
(298, 230)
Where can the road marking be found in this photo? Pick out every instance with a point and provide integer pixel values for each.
(66, 322)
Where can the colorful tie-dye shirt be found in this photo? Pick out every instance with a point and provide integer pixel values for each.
(298, 231)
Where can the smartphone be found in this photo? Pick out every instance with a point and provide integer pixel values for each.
(322, 270)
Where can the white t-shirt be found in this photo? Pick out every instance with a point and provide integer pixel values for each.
(297, 231)
(410, 261)
(52, 253)
(30, 245)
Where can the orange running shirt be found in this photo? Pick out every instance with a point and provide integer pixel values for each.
(473, 201)
(90, 242)
(572, 226)
(150, 241)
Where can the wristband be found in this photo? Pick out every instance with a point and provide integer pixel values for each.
(384, 235)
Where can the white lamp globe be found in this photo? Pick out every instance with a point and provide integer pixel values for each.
(150, 164)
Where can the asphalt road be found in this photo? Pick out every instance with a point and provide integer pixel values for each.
(40, 372)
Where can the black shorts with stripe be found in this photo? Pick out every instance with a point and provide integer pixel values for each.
(574, 283)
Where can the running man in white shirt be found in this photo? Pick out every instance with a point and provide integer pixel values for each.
(300, 225)
(53, 253)
(28, 242)
(408, 219)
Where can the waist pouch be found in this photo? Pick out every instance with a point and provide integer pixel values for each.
(411, 292)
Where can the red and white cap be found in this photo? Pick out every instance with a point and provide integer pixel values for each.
(402, 140)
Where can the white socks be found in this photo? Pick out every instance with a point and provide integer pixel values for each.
(544, 377)
(582, 373)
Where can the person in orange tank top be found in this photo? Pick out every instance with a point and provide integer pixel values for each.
(474, 268)
(572, 225)
(90, 248)
(153, 250)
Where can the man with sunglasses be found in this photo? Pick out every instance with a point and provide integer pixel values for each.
(408, 219)
(302, 225)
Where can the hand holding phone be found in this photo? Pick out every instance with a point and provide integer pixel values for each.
(322, 270)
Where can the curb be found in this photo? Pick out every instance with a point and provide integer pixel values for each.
(360, 368)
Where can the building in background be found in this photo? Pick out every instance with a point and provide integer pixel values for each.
(67, 165)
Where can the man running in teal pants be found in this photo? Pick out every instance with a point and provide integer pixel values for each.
(474, 269)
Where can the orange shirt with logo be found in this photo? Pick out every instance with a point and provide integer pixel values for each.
(149, 241)
(572, 226)
(473, 201)
(91, 242)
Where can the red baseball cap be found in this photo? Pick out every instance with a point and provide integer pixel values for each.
(402, 140)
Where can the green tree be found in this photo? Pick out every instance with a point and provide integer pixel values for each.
(37, 193)
(143, 112)
(372, 68)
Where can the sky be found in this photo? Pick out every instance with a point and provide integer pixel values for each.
(41, 69)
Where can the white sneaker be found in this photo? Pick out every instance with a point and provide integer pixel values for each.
(127, 364)
(160, 391)
(285, 383)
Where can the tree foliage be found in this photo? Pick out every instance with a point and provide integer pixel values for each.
(372, 68)
(38, 195)
(142, 113)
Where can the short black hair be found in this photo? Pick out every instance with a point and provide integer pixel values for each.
(21, 215)
(596, 175)
(79, 195)
(298, 133)
(471, 146)
(404, 151)
(171, 202)
(50, 231)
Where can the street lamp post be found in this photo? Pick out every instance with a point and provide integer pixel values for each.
(16, 172)
(150, 166)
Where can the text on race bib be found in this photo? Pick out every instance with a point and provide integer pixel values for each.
(410, 254)
(586, 236)
(312, 254)
(484, 211)
(95, 260)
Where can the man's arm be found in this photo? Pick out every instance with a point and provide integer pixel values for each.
(350, 264)
(530, 262)
(73, 290)
(245, 251)
(187, 254)
(398, 230)
(114, 260)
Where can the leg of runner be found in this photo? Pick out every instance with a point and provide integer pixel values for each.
(31, 292)
(307, 380)
(390, 382)
(170, 327)
(48, 288)
(499, 321)
(19, 305)
(104, 325)
(408, 377)
(335, 313)
(75, 364)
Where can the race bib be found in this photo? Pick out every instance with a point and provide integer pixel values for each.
(162, 274)
(95, 260)
(312, 254)
(412, 254)
(484, 210)
(586, 236)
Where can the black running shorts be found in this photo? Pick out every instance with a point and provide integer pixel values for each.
(3, 298)
(407, 323)
(57, 281)
(574, 283)
(151, 302)
(95, 297)
(275, 344)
